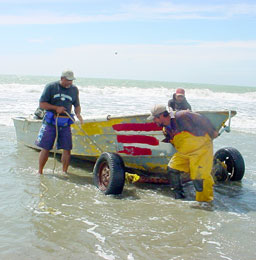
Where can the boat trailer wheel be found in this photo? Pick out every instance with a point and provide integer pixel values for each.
(109, 173)
(228, 165)
(104, 176)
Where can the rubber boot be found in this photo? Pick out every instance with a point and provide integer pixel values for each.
(175, 182)
(198, 184)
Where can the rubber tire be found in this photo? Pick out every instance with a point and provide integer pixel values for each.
(234, 161)
(114, 165)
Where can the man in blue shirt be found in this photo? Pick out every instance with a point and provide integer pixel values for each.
(57, 99)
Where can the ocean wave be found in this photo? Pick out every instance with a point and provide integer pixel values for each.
(22, 100)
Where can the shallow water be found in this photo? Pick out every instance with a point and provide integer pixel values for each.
(58, 216)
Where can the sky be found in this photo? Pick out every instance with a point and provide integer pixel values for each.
(194, 41)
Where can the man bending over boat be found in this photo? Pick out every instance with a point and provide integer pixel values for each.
(57, 99)
(191, 134)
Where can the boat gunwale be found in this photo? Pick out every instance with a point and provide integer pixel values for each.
(109, 117)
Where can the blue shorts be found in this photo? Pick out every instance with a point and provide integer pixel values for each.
(47, 135)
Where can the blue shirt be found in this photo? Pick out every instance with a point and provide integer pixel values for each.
(57, 95)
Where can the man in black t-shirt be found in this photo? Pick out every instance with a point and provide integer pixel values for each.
(179, 101)
(57, 99)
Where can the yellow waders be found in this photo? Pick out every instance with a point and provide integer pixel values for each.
(195, 156)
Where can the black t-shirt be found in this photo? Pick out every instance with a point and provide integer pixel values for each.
(57, 95)
(184, 105)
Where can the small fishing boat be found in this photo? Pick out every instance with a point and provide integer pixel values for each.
(130, 147)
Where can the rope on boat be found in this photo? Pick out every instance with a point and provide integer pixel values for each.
(55, 143)
(85, 133)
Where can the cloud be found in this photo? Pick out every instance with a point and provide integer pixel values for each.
(39, 40)
(230, 63)
(24, 2)
(206, 10)
(48, 19)
(133, 12)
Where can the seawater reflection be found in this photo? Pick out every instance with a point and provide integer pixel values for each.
(57, 216)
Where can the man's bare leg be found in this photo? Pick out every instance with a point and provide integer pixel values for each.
(65, 158)
(43, 157)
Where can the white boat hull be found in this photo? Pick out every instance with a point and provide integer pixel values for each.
(136, 140)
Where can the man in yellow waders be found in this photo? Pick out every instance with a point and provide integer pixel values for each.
(191, 134)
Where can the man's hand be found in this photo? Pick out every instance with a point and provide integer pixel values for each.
(215, 134)
(80, 118)
(60, 110)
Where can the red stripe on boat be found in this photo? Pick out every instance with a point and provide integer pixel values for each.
(132, 150)
(137, 127)
(142, 139)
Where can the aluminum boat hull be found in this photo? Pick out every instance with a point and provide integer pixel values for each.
(135, 139)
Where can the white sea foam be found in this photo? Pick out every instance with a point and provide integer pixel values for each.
(130, 257)
(103, 254)
(22, 100)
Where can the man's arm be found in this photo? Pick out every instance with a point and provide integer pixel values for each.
(78, 114)
(171, 104)
(45, 99)
(189, 106)
(48, 106)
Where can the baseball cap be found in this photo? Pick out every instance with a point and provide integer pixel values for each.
(180, 92)
(156, 110)
(68, 74)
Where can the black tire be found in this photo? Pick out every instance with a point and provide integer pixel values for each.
(233, 161)
(109, 173)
